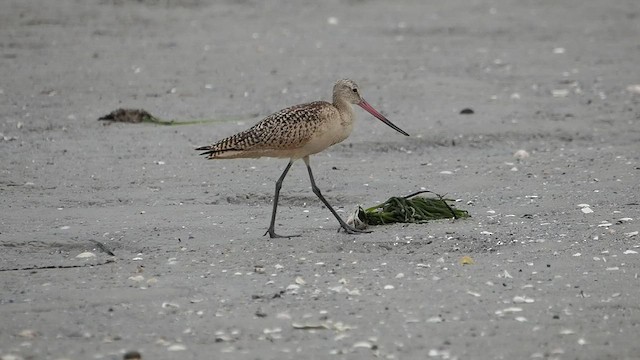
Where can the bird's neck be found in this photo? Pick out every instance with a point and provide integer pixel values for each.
(345, 108)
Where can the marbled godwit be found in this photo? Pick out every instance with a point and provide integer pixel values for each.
(297, 132)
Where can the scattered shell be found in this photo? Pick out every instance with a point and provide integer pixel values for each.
(136, 278)
(275, 330)
(444, 354)
(508, 310)
(168, 305)
(363, 344)
(472, 293)
(435, 319)
(28, 333)
(446, 172)
(560, 92)
(293, 287)
(635, 88)
(310, 326)
(399, 276)
(522, 299)
(466, 260)
(486, 233)
(586, 210)
(567, 332)
(521, 318)
(300, 281)
(628, 252)
(630, 234)
(521, 154)
(85, 255)
(389, 287)
(177, 347)
(341, 289)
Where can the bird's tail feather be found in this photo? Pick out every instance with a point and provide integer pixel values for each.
(226, 147)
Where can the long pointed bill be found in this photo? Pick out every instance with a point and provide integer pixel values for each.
(365, 105)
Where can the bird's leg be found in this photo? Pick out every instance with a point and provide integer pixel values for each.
(271, 230)
(347, 228)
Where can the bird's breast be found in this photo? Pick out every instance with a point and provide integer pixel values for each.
(329, 133)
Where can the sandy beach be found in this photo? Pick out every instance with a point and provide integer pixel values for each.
(118, 237)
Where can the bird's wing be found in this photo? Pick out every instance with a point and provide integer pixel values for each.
(286, 129)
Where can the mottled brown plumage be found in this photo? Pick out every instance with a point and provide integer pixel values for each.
(278, 135)
(297, 132)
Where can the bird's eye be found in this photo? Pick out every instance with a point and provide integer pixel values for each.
(355, 90)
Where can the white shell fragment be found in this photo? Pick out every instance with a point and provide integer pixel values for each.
(177, 347)
(310, 326)
(560, 92)
(332, 20)
(363, 344)
(85, 255)
(635, 88)
(522, 299)
(521, 154)
(508, 310)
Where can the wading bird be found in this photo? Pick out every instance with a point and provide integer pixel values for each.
(297, 132)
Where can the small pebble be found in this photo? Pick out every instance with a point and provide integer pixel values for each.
(132, 355)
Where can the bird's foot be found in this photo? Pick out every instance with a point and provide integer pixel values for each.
(351, 230)
(273, 235)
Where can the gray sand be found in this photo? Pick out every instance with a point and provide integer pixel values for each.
(193, 277)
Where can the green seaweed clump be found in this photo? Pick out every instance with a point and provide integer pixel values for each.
(407, 209)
